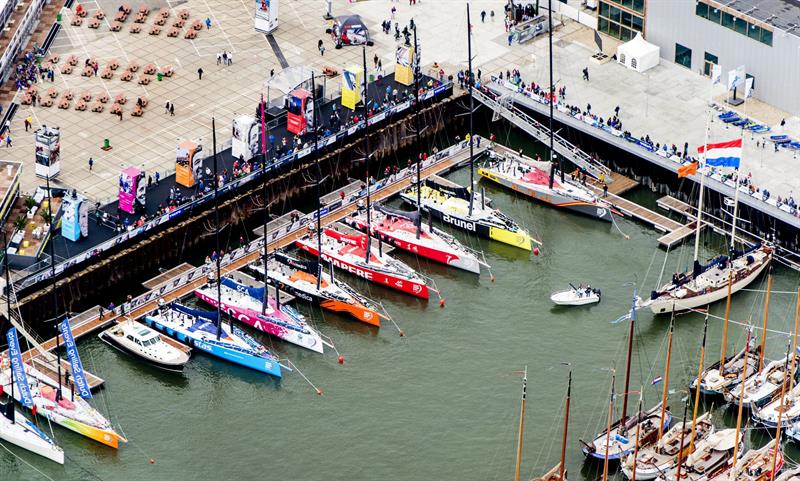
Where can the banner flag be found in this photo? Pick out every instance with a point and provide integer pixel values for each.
(78, 376)
(18, 368)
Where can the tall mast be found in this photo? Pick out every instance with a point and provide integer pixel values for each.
(521, 423)
(608, 426)
(636, 441)
(741, 399)
(319, 176)
(725, 328)
(700, 171)
(683, 436)
(780, 413)
(764, 325)
(368, 153)
(666, 378)
(628, 365)
(697, 388)
(552, 89)
(794, 341)
(566, 428)
(10, 414)
(470, 82)
(415, 66)
(53, 281)
(216, 227)
(265, 196)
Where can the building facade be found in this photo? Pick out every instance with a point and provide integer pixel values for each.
(621, 19)
(762, 35)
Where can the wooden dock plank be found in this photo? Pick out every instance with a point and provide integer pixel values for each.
(678, 235)
(167, 275)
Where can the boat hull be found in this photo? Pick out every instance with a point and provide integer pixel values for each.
(546, 195)
(664, 306)
(417, 289)
(26, 435)
(256, 363)
(167, 366)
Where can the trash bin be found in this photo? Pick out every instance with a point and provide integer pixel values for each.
(58, 17)
(159, 76)
(106, 144)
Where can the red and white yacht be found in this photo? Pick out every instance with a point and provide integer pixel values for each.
(399, 229)
(349, 252)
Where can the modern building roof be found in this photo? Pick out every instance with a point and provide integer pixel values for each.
(781, 14)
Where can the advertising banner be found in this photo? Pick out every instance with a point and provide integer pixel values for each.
(187, 163)
(78, 377)
(18, 368)
(404, 69)
(352, 87)
(127, 189)
(266, 17)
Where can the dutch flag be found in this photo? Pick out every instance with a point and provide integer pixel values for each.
(723, 154)
(656, 380)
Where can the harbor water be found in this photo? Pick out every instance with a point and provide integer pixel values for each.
(440, 403)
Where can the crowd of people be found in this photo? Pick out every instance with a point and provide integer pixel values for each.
(612, 123)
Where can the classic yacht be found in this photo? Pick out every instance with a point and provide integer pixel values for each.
(139, 340)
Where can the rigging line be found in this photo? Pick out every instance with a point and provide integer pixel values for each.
(663, 266)
(794, 293)
(27, 463)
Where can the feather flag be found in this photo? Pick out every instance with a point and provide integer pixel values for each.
(716, 74)
(687, 170)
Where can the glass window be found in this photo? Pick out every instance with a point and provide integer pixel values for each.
(754, 32)
(625, 34)
(714, 14)
(626, 19)
(603, 9)
(683, 56)
(638, 24)
(614, 14)
(638, 5)
(602, 24)
(701, 9)
(613, 29)
(766, 36)
(711, 58)
(727, 20)
(741, 26)
(626, 3)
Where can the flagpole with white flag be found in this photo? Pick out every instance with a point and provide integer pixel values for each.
(748, 92)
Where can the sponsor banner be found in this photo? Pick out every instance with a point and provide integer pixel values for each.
(18, 369)
(78, 377)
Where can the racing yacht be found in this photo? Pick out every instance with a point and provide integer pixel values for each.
(299, 278)
(246, 304)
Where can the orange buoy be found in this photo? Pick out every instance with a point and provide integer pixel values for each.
(152, 461)
(492, 277)
(319, 392)
(341, 359)
(402, 334)
(536, 251)
(441, 302)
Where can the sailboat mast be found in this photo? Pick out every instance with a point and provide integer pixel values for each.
(725, 328)
(741, 399)
(794, 341)
(368, 153)
(418, 144)
(566, 428)
(608, 427)
(683, 437)
(470, 83)
(53, 281)
(764, 325)
(700, 171)
(628, 368)
(666, 378)
(8, 312)
(319, 174)
(552, 89)
(521, 423)
(637, 439)
(265, 196)
(697, 388)
(216, 226)
(780, 413)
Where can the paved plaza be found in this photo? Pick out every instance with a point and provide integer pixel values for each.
(668, 102)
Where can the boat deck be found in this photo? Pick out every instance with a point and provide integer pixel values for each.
(184, 284)
(346, 229)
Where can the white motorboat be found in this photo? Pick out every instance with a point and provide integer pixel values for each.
(18, 430)
(576, 296)
(139, 340)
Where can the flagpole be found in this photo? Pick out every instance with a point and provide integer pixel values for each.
(737, 170)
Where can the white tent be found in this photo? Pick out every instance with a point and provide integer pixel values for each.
(638, 54)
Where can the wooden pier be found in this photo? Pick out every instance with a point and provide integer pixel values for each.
(184, 282)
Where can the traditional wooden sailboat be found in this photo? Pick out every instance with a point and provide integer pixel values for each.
(615, 442)
(714, 380)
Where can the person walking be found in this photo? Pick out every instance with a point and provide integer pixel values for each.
(172, 110)
(208, 23)
(483, 16)
(321, 48)
(605, 190)
(91, 163)
(8, 141)
(166, 107)
(586, 73)
(200, 73)
(158, 177)
(27, 124)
